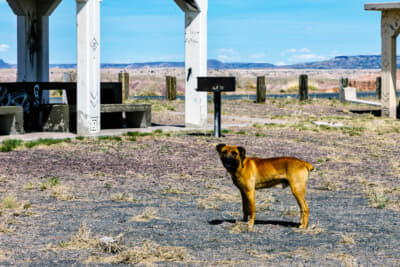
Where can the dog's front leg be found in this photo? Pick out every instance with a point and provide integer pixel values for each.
(250, 196)
(245, 205)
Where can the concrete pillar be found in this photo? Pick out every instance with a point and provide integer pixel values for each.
(195, 60)
(389, 35)
(33, 39)
(390, 28)
(88, 67)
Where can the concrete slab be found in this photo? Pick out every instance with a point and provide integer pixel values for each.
(382, 6)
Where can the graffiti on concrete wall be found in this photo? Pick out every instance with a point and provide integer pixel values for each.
(28, 99)
(26, 96)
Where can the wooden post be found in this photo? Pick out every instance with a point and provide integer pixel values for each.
(379, 87)
(344, 82)
(123, 78)
(261, 90)
(170, 92)
(303, 87)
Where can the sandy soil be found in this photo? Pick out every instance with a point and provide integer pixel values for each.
(166, 199)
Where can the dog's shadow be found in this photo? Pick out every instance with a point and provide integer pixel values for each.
(258, 222)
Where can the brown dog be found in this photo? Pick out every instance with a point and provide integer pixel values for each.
(249, 174)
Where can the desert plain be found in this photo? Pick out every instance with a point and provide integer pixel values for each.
(163, 198)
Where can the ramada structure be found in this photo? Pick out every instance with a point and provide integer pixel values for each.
(390, 29)
(33, 55)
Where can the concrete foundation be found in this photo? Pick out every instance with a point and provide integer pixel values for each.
(11, 120)
(55, 118)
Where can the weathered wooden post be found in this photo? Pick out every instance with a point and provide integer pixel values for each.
(379, 87)
(261, 90)
(303, 87)
(344, 82)
(123, 78)
(170, 92)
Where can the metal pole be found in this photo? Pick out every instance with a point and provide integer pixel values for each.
(217, 114)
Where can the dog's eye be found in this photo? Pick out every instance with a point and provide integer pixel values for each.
(234, 154)
(224, 152)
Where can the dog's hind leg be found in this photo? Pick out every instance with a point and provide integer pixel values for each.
(299, 192)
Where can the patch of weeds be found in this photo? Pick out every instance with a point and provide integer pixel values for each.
(108, 186)
(260, 135)
(110, 138)
(53, 181)
(136, 134)
(10, 144)
(28, 186)
(80, 138)
(123, 197)
(225, 131)
(353, 131)
(241, 133)
(46, 142)
(9, 202)
(132, 139)
(257, 125)
(43, 187)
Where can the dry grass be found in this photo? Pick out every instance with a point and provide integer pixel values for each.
(82, 240)
(62, 192)
(148, 253)
(148, 215)
(262, 255)
(216, 200)
(122, 197)
(347, 239)
(346, 259)
(239, 227)
(312, 229)
(291, 212)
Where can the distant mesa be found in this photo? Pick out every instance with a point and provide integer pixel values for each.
(340, 62)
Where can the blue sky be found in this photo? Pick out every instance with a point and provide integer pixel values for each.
(278, 32)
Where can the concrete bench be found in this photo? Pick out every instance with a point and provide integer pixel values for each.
(11, 120)
(350, 95)
(137, 115)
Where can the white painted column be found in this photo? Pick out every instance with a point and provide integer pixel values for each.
(195, 60)
(195, 66)
(88, 67)
(389, 36)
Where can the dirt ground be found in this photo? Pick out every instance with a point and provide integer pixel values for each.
(165, 199)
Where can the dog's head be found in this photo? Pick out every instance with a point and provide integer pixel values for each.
(232, 157)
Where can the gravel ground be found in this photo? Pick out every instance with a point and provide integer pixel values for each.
(165, 198)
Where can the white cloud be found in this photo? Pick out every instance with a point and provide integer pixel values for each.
(306, 57)
(295, 50)
(258, 57)
(227, 54)
(4, 47)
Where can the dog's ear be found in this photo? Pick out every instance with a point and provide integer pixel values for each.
(242, 154)
(219, 147)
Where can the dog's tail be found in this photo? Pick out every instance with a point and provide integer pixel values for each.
(308, 166)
